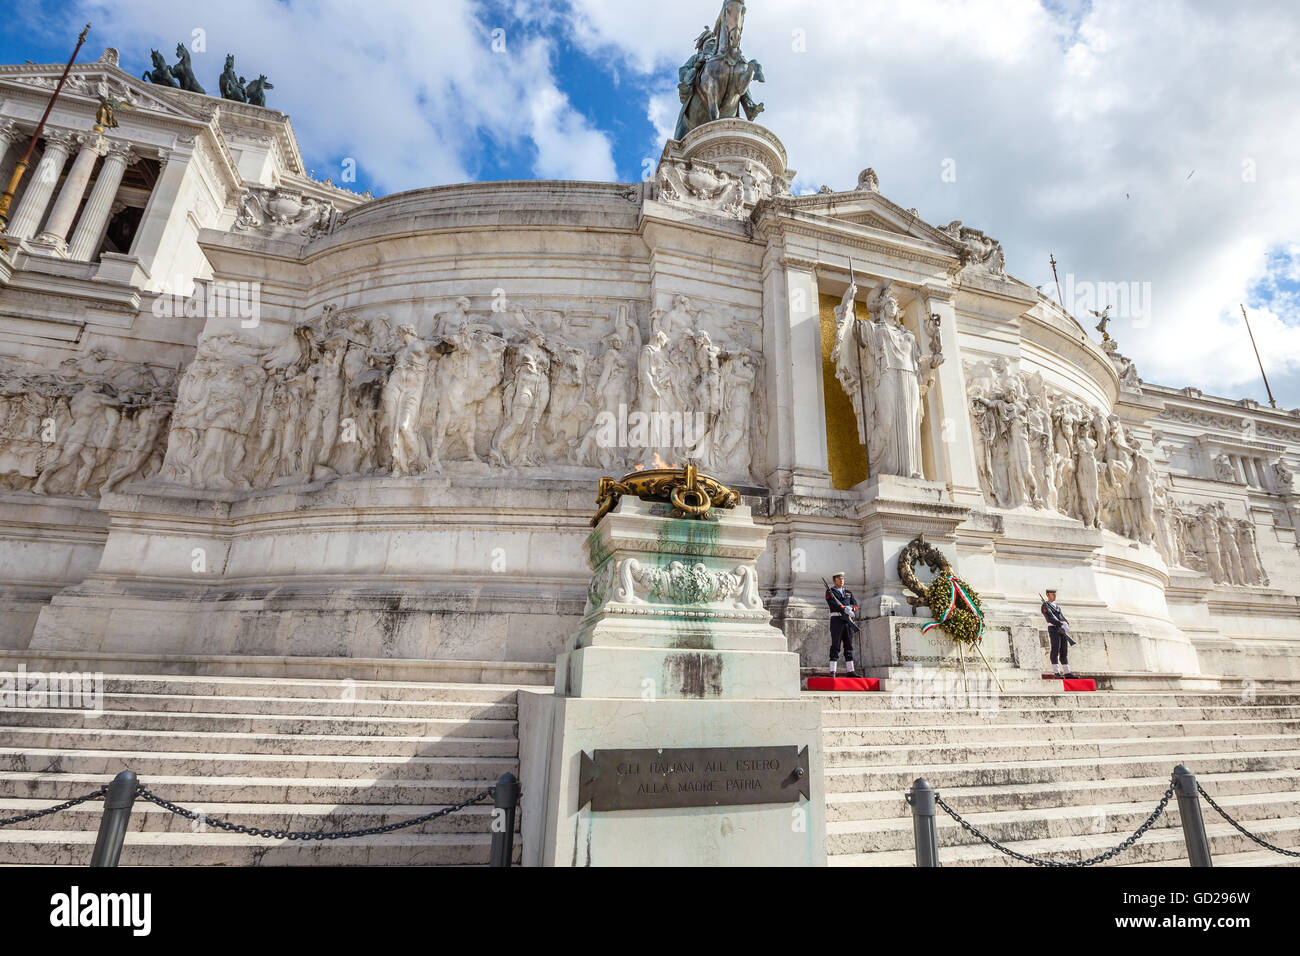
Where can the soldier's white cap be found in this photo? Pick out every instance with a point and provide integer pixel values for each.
(839, 574)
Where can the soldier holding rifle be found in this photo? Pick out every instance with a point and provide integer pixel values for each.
(844, 608)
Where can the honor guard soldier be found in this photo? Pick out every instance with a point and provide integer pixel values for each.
(1058, 631)
(844, 608)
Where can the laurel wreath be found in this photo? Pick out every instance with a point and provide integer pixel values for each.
(954, 603)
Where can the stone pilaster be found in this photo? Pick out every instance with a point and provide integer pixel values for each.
(164, 212)
(94, 218)
(55, 233)
(31, 209)
(950, 444)
(792, 342)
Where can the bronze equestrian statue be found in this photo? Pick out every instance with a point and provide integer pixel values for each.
(231, 87)
(715, 81)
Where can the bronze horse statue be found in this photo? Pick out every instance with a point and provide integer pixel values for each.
(161, 72)
(256, 90)
(715, 82)
(184, 72)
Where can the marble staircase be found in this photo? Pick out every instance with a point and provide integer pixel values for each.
(313, 755)
(1062, 776)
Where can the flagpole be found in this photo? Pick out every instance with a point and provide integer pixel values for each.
(25, 162)
(1059, 298)
(1271, 400)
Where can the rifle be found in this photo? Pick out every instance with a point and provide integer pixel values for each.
(1065, 628)
(848, 615)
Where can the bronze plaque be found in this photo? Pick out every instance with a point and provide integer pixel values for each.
(695, 777)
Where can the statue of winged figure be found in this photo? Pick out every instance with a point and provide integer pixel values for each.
(106, 116)
(1104, 324)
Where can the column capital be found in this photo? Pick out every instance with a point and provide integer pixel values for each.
(176, 154)
(942, 295)
(117, 149)
(798, 263)
(9, 131)
(64, 139)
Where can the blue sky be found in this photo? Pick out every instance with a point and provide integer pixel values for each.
(1150, 143)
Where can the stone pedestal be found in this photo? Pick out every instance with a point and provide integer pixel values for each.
(895, 650)
(895, 511)
(675, 652)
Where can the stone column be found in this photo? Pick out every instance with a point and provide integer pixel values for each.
(950, 442)
(792, 341)
(65, 208)
(94, 218)
(31, 210)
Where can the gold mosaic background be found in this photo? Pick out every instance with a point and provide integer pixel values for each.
(848, 458)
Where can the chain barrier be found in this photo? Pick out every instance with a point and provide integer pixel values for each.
(226, 825)
(1240, 829)
(1036, 861)
(219, 824)
(37, 814)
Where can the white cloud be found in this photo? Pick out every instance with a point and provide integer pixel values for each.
(1073, 133)
(408, 88)
(1074, 129)
(567, 145)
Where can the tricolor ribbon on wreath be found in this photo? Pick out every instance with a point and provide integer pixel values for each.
(958, 593)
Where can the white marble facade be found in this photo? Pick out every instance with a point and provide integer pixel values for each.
(291, 420)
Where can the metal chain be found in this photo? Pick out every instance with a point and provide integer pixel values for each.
(37, 814)
(1036, 861)
(1239, 828)
(300, 835)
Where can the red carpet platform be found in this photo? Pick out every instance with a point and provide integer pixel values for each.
(844, 683)
(1078, 685)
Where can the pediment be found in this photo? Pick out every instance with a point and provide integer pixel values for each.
(84, 82)
(866, 207)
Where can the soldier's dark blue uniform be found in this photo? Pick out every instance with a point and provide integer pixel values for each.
(1058, 632)
(843, 606)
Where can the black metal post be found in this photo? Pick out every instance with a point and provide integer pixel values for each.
(1189, 810)
(503, 820)
(921, 797)
(117, 814)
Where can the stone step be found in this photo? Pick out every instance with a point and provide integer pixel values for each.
(85, 739)
(1248, 858)
(307, 818)
(1158, 846)
(309, 706)
(1081, 701)
(73, 848)
(1178, 749)
(962, 733)
(54, 788)
(846, 719)
(246, 724)
(319, 689)
(108, 763)
(899, 778)
(885, 804)
(1019, 825)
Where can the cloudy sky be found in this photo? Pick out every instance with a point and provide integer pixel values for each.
(1150, 145)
